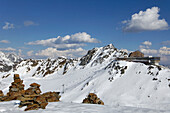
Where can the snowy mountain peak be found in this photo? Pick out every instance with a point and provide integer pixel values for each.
(116, 82)
(8, 60)
(13, 57)
(103, 54)
(110, 46)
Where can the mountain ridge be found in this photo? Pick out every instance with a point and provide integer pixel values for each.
(115, 82)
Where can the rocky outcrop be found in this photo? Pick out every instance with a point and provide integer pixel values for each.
(100, 55)
(32, 97)
(93, 99)
(136, 54)
(87, 58)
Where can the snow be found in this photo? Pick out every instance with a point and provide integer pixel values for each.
(124, 87)
(63, 107)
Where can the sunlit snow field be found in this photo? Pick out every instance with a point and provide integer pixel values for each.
(63, 107)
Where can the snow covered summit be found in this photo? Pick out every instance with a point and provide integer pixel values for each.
(116, 82)
(8, 60)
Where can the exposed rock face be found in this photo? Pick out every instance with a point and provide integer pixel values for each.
(136, 54)
(61, 65)
(86, 59)
(93, 99)
(100, 55)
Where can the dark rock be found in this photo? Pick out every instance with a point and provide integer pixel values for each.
(93, 99)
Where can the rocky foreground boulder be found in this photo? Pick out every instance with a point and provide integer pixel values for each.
(31, 97)
(93, 99)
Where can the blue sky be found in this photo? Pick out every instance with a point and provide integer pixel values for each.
(26, 27)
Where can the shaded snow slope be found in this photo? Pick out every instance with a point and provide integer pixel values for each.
(62, 107)
(117, 83)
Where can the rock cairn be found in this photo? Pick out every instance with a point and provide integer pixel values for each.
(1, 95)
(93, 99)
(32, 97)
(16, 90)
(51, 96)
(34, 89)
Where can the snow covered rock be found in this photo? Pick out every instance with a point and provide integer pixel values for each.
(8, 61)
(116, 82)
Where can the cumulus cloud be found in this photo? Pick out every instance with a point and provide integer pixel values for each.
(4, 41)
(166, 42)
(147, 43)
(7, 49)
(8, 26)
(164, 51)
(29, 23)
(30, 53)
(149, 51)
(68, 41)
(145, 21)
(53, 53)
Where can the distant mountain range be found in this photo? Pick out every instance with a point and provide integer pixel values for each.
(8, 61)
(115, 82)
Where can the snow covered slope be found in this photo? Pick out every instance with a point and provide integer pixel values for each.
(8, 60)
(63, 107)
(117, 83)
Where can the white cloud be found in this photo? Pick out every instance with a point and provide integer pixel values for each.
(30, 53)
(149, 51)
(164, 51)
(8, 26)
(145, 21)
(166, 42)
(4, 41)
(53, 53)
(75, 40)
(29, 23)
(7, 49)
(147, 43)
